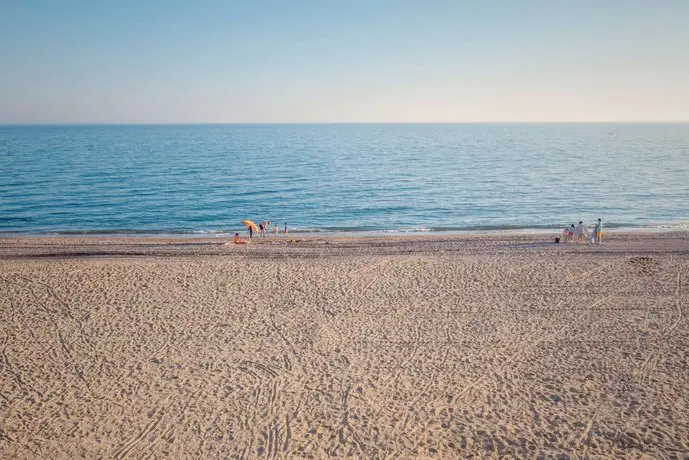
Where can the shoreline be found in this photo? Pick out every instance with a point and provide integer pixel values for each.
(669, 228)
(63, 246)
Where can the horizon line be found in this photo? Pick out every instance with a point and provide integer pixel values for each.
(297, 123)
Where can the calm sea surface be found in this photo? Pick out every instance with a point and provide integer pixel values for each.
(206, 178)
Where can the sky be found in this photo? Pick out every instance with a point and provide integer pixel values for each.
(325, 61)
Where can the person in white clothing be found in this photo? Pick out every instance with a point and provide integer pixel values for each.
(581, 232)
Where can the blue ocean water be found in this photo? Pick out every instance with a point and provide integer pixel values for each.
(341, 177)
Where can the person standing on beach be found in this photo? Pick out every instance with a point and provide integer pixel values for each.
(251, 231)
(581, 232)
(276, 229)
(598, 232)
(285, 228)
(264, 227)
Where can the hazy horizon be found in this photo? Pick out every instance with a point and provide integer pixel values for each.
(288, 123)
(273, 62)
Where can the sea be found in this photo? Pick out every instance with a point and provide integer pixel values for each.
(341, 178)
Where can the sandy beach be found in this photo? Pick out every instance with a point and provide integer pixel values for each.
(446, 346)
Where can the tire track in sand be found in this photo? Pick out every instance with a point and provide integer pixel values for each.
(124, 450)
(522, 349)
(645, 368)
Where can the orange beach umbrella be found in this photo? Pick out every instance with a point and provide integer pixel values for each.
(249, 224)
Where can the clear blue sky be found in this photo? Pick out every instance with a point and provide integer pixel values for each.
(343, 60)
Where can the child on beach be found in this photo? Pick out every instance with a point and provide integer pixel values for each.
(276, 229)
(598, 232)
(285, 228)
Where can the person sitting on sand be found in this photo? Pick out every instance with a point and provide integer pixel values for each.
(237, 239)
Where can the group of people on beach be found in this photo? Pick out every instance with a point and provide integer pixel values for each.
(581, 234)
(571, 234)
(262, 229)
